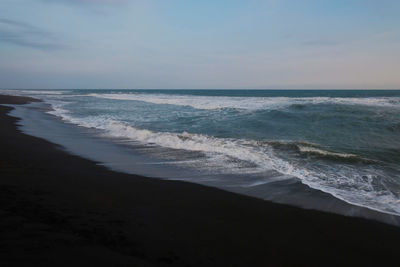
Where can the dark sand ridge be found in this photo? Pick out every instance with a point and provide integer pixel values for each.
(58, 209)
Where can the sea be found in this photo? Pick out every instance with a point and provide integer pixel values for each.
(333, 150)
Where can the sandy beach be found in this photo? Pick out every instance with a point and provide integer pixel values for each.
(57, 209)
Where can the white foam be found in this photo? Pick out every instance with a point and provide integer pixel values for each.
(344, 181)
(248, 103)
(312, 149)
(44, 92)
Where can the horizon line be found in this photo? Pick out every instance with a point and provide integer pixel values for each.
(253, 89)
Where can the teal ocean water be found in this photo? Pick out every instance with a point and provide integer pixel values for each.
(344, 143)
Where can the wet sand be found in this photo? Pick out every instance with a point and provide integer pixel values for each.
(57, 209)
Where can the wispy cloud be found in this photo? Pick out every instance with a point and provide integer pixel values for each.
(25, 34)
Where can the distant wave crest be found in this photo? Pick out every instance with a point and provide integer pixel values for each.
(248, 103)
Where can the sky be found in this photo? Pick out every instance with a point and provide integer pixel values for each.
(207, 44)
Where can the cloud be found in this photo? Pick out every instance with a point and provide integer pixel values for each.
(24, 34)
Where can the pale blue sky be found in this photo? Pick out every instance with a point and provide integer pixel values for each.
(200, 44)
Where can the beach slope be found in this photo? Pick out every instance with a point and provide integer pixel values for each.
(57, 209)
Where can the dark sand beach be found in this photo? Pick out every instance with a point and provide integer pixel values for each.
(57, 209)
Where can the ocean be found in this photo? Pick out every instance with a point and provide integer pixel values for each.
(263, 143)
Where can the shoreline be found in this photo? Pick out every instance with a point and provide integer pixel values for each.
(119, 157)
(60, 209)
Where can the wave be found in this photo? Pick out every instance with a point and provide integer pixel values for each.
(316, 151)
(248, 103)
(359, 185)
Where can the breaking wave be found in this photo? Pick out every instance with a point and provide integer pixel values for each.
(317, 152)
(248, 103)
